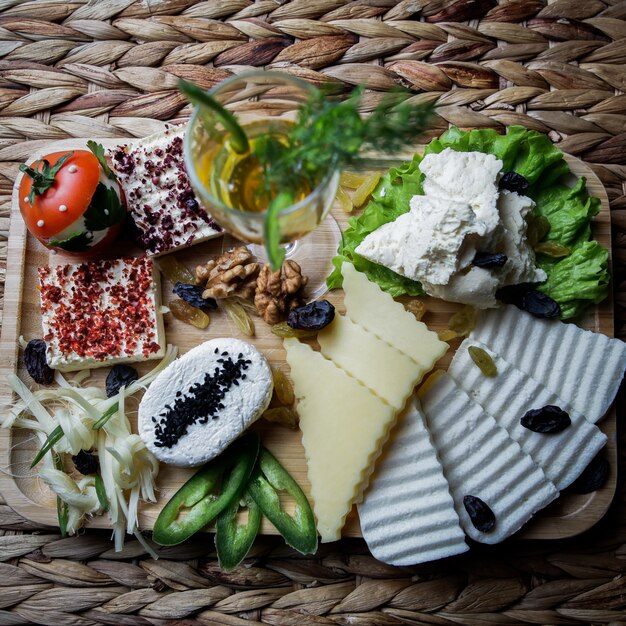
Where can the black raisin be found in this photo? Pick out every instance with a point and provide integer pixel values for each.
(120, 376)
(540, 305)
(192, 294)
(489, 259)
(36, 364)
(513, 182)
(313, 316)
(481, 515)
(593, 477)
(547, 419)
(85, 462)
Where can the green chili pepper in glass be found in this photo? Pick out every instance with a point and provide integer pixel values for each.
(269, 478)
(197, 502)
(233, 540)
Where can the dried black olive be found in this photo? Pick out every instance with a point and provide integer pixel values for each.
(36, 364)
(489, 259)
(313, 316)
(540, 305)
(547, 419)
(481, 515)
(513, 294)
(120, 376)
(593, 477)
(85, 462)
(192, 294)
(513, 182)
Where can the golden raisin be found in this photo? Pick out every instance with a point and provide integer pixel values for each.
(351, 180)
(365, 189)
(417, 307)
(189, 314)
(282, 329)
(447, 335)
(484, 361)
(344, 201)
(239, 316)
(463, 321)
(282, 415)
(553, 249)
(175, 271)
(282, 387)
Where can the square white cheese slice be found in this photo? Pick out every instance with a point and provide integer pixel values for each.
(101, 312)
(161, 202)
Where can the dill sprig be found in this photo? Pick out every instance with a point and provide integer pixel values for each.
(330, 134)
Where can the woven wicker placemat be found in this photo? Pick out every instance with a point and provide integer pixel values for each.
(108, 68)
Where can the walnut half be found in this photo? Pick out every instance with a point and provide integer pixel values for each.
(231, 274)
(279, 292)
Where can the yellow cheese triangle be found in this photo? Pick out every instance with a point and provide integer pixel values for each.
(389, 373)
(344, 426)
(368, 305)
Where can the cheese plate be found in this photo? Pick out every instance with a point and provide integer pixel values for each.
(567, 516)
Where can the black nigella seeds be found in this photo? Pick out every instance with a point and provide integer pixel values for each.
(202, 402)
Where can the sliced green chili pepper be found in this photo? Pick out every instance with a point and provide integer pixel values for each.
(197, 498)
(268, 478)
(232, 540)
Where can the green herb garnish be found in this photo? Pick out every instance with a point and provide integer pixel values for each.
(97, 150)
(43, 178)
(207, 104)
(328, 135)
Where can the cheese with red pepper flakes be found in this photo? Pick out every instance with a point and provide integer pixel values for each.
(101, 312)
(159, 196)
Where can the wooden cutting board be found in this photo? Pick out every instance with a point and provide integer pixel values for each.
(569, 515)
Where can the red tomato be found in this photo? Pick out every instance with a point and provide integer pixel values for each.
(54, 194)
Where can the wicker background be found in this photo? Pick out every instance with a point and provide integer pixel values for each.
(108, 68)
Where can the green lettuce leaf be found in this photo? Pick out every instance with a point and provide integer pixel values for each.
(579, 279)
(574, 281)
(569, 211)
(390, 199)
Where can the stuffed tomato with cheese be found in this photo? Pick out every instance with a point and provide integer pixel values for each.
(71, 201)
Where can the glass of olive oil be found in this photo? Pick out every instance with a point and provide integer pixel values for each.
(230, 184)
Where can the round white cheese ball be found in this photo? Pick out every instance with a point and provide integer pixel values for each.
(203, 401)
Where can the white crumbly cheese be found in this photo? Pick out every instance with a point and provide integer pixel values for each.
(429, 243)
(85, 313)
(169, 397)
(461, 213)
(407, 515)
(477, 287)
(158, 192)
(465, 177)
(520, 266)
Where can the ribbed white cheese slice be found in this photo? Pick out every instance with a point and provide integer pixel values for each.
(407, 515)
(509, 395)
(389, 373)
(480, 459)
(582, 367)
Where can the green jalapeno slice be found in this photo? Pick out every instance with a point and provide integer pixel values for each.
(197, 497)
(233, 540)
(269, 478)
